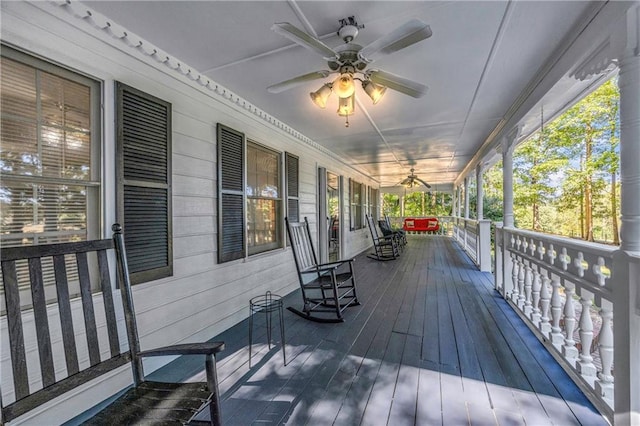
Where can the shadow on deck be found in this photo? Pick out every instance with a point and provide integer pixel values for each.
(431, 343)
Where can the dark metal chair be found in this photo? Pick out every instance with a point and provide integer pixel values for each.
(388, 231)
(385, 247)
(400, 231)
(327, 288)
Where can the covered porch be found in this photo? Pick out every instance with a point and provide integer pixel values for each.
(483, 324)
(431, 343)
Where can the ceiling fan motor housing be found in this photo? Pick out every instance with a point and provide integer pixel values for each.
(348, 33)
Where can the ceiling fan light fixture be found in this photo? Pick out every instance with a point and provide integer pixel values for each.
(320, 96)
(343, 86)
(375, 91)
(346, 107)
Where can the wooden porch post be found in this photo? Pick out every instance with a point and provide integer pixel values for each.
(508, 145)
(479, 192)
(466, 198)
(483, 247)
(626, 276)
(454, 201)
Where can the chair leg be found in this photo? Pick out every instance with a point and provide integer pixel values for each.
(284, 354)
(212, 383)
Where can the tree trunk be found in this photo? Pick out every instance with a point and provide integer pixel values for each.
(614, 211)
(588, 189)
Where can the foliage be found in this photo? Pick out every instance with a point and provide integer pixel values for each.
(566, 176)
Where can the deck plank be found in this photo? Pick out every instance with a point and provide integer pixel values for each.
(431, 343)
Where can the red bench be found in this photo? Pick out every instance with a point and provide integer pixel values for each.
(423, 224)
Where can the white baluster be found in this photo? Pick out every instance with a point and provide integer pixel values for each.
(585, 364)
(528, 278)
(515, 270)
(569, 349)
(556, 313)
(604, 384)
(536, 287)
(545, 301)
(521, 275)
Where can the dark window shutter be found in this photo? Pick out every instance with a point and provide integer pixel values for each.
(144, 182)
(231, 205)
(293, 207)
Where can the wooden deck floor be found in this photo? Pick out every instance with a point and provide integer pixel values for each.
(432, 343)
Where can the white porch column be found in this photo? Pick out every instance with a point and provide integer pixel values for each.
(454, 201)
(483, 247)
(466, 198)
(508, 145)
(479, 192)
(626, 285)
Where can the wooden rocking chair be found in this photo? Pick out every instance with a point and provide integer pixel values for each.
(328, 288)
(146, 402)
(387, 230)
(385, 247)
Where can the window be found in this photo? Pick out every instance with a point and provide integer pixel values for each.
(250, 209)
(143, 152)
(264, 216)
(49, 158)
(356, 201)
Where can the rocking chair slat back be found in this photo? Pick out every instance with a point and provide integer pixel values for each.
(303, 251)
(91, 340)
(326, 288)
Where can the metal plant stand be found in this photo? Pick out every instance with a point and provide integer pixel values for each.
(267, 303)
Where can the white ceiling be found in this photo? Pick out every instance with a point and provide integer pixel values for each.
(480, 58)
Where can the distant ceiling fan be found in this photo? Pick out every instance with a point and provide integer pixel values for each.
(413, 180)
(350, 61)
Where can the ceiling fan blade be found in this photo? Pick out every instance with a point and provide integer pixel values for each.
(403, 36)
(400, 84)
(303, 39)
(296, 81)
(423, 182)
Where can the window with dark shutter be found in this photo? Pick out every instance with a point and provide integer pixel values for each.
(293, 206)
(231, 203)
(144, 182)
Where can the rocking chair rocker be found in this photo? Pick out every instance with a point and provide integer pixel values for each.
(328, 288)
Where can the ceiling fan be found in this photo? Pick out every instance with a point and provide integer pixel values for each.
(413, 180)
(350, 61)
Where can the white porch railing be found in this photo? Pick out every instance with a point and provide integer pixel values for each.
(561, 288)
(474, 236)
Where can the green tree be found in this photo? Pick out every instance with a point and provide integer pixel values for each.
(536, 162)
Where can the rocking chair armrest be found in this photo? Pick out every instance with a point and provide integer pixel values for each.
(331, 265)
(386, 237)
(205, 348)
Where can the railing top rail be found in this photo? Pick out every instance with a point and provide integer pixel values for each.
(604, 250)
